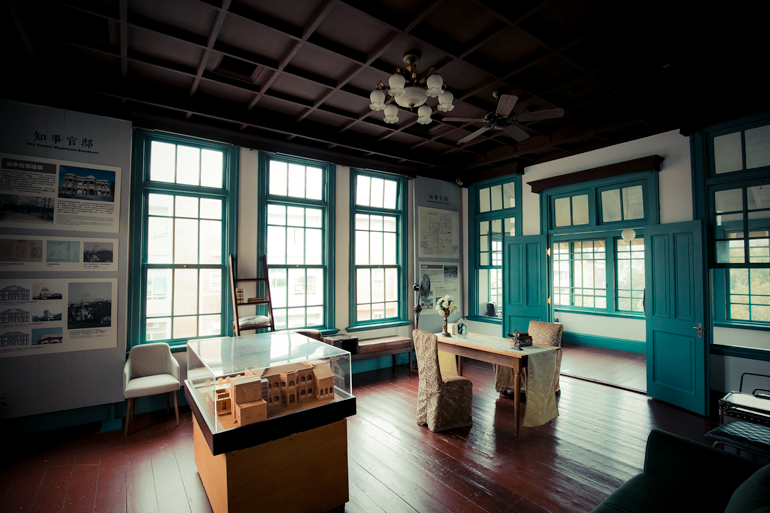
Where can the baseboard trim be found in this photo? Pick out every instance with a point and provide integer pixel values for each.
(631, 346)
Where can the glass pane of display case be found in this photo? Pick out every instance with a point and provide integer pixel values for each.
(256, 378)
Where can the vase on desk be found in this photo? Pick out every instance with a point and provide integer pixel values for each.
(445, 331)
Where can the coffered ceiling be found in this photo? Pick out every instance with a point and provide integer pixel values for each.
(294, 76)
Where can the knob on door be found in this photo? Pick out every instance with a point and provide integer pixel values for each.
(699, 327)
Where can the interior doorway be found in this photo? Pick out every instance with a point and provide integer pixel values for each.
(620, 369)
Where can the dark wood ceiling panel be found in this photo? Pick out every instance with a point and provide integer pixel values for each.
(455, 24)
(328, 118)
(224, 92)
(549, 74)
(243, 34)
(460, 75)
(345, 28)
(617, 42)
(322, 62)
(154, 74)
(193, 17)
(353, 104)
(297, 88)
(298, 14)
(369, 129)
(583, 90)
(563, 21)
(276, 105)
(159, 47)
(507, 52)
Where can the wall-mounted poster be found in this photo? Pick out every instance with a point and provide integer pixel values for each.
(439, 233)
(438, 280)
(57, 194)
(43, 253)
(57, 316)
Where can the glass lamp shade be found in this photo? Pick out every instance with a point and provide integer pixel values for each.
(434, 84)
(396, 83)
(378, 100)
(412, 97)
(423, 115)
(445, 102)
(391, 114)
(628, 234)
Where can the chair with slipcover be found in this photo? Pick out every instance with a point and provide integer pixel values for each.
(444, 401)
(544, 334)
(150, 370)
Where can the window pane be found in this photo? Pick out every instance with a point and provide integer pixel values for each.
(496, 193)
(483, 292)
(278, 291)
(315, 287)
(509, 195)
(314, 247)
(160, 205)
(185, 241)
(185, 291)
(362, 247)
(295, 246)
(158, 329)
(276, 245)
(364, 312)
(314, 183)
(362, 222)
(728, 201)
(211, 242)
(296, 287)
(391, 190)
(276, 214)
(210, 288)
(730, 252)
(510, 226)
(186, 206)
(633, 202)
(363, 286)
(210, 325)
(313, 217)
(188, 165)
(296, 317)
(390, 249)
(211, 168)
(162, 161)
(211, 208)
(757, 147)
(727, 153)
(484, 199)
(484, 258)
(315, 316)
(280, 319)
(185, 327)
(378, 192)
(484, 227)
(363, 184)
(159, 283)
(391, 310)
(378, 311)
(295, 216)
(378, 285)
(160, 236)
(376, 223)
(611, 206)
(562, 212)
(278, 178)
(376, 251)
(389, 224)
(580, 210)
(758, 197)
(391, 284)
(296, 181)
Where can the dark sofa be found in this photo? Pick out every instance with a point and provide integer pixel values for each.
(683, 476)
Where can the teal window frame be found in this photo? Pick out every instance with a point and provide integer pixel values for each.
(401, 213)
(326, 204)
(142, 186)
(597, 229)
(475, 217)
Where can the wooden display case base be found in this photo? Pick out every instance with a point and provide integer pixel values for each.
(303, 472)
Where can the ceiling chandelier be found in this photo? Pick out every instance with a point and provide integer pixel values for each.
(409, 91)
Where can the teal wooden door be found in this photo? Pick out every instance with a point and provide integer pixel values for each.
(677, 352)
(525, 282)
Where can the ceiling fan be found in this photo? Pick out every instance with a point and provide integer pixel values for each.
(501, 118)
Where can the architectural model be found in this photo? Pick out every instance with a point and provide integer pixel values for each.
(263, 393)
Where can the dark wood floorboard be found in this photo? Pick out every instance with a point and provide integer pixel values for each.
(568, 465)
(619, 368)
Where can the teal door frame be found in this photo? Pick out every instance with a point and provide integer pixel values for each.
(677, 351)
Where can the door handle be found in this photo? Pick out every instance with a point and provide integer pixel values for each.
(699, 327)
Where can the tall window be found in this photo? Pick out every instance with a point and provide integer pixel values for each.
(298, 206)
(183, 219)
(495, 209)
(378, 252)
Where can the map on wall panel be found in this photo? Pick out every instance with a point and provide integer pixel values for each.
(439, 233)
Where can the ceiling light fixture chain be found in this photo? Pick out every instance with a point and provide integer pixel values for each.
(409, 91)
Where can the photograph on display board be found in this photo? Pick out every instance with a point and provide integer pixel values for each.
(16, 292)
(45, 312)
(42, 336)
(89, 305)
(62, 251)
(85, 183)
(42, 292)
(14, 337)
(26, 209)
(13, 250)
(15, 315)
(100, 251)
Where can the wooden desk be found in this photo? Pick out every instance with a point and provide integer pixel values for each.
(493, 350)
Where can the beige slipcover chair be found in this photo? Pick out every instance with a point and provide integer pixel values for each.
(150, 370)
(444, 401)
(543, 334)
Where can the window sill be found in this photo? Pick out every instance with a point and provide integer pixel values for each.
(364, 327)
(623, 315)
(741, 352)
(482, 318)
(742, 326)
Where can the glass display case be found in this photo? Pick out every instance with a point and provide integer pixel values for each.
(269, 384)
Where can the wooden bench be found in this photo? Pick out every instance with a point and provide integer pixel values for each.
(384, 346)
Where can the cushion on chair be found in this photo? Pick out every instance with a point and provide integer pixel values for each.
(753, 496)
(151, 385)
(378, 345)
(253, 320)
(643, 494)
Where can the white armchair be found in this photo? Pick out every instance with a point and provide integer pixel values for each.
(150, 370)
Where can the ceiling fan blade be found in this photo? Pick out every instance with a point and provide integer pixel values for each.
(464, 120)
(474, 135)
(505, 105)
(516, 132)
(539, 115)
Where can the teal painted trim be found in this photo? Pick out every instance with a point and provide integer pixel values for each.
(329, 331)
(384, 362)
(631, 346)
(402, 258)
(601, 313)
(391, 324)
(481, 318)
(741, 352)
(329, 223)
(743, 326)
(474, 217)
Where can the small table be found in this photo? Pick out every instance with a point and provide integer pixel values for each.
(744, 407)
(345, 342)
(493, 350)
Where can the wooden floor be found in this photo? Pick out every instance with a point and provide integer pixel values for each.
(618, 368)
(569, 465)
